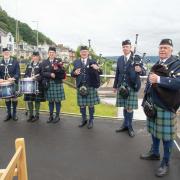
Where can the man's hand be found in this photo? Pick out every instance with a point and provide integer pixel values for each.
(11, 79)
(77, 71)
(95, 66)
(153, 78)
(1, 80)
(53, 75)
(138, 69)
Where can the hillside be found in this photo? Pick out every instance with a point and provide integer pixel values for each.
(26, 34)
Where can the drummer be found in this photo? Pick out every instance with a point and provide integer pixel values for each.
(33, 70)
(10, 71)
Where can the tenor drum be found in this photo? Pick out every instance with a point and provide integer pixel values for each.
(7, 89)
(28, 86)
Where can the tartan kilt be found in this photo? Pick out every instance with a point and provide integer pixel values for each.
(163, 126)
(55, 92)
(130, 103)
(91, 99)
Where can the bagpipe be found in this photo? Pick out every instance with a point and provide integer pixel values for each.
(171, 98)
(58, 69)
(136, 60)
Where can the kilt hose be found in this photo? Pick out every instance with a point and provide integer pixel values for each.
(90, 100)
(55, 92)
(163, 126)
(130, 103)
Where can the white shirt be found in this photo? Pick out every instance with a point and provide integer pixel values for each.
(6, 61)
(128, 56)
(161, 61)
(84, 60)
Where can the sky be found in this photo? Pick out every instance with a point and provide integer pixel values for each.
(105, 22)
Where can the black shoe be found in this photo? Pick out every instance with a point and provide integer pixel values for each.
(150, 156)
(122, 129)
(30, 118)
(36, 118)
(56, 119)
(50, 119)
(90, 125)
(83, 123)
(162, 170)
(8, 117)
(131, 132)
(15, 118)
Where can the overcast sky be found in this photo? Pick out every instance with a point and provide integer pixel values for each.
(105, 22)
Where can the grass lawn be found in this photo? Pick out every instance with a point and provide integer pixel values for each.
(70, 104)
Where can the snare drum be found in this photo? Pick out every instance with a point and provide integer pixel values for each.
(28, 86)
(7, 89)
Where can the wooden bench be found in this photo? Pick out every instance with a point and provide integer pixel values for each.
(17, 166)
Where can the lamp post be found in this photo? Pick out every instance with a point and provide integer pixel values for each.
(89, 41)
(37, 38)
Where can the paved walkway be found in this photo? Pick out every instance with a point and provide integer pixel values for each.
(65, 152)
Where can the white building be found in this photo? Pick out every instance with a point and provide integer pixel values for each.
(6, 40)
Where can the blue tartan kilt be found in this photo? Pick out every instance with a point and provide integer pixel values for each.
(91, 99)
(130, 103)
(55, 92)
(163, 126)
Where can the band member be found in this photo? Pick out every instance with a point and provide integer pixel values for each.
(160, 107)
(10, 70)
(33, 70)
(86, 71)
(126, 84)
(53, 74)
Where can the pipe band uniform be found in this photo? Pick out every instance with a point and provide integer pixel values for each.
(34, 99)
(9, 77)
(87, 75)
(127, 83)
(53, 74)
(162, 92)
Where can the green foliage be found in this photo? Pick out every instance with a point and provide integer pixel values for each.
(26, 34)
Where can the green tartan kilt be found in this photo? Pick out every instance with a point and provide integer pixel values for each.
(55, 92)
(130, 103)
(91, 99)
(163, 126)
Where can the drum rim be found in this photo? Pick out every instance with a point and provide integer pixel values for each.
(27, 79)
(6, 83)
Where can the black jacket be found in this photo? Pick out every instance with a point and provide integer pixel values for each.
(13, 69)
(37, 71)
(92, 76)
(126, 73)
(47, 69)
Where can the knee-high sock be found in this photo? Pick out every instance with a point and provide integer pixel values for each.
(91, 113)
(30, 106)
(51, 107)
(167, 145)
(125, 123)
(37, 107)
(83, 112)
(8, 107)
(129, 116)
(14, 103)
(155, 145)
(58, 108)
